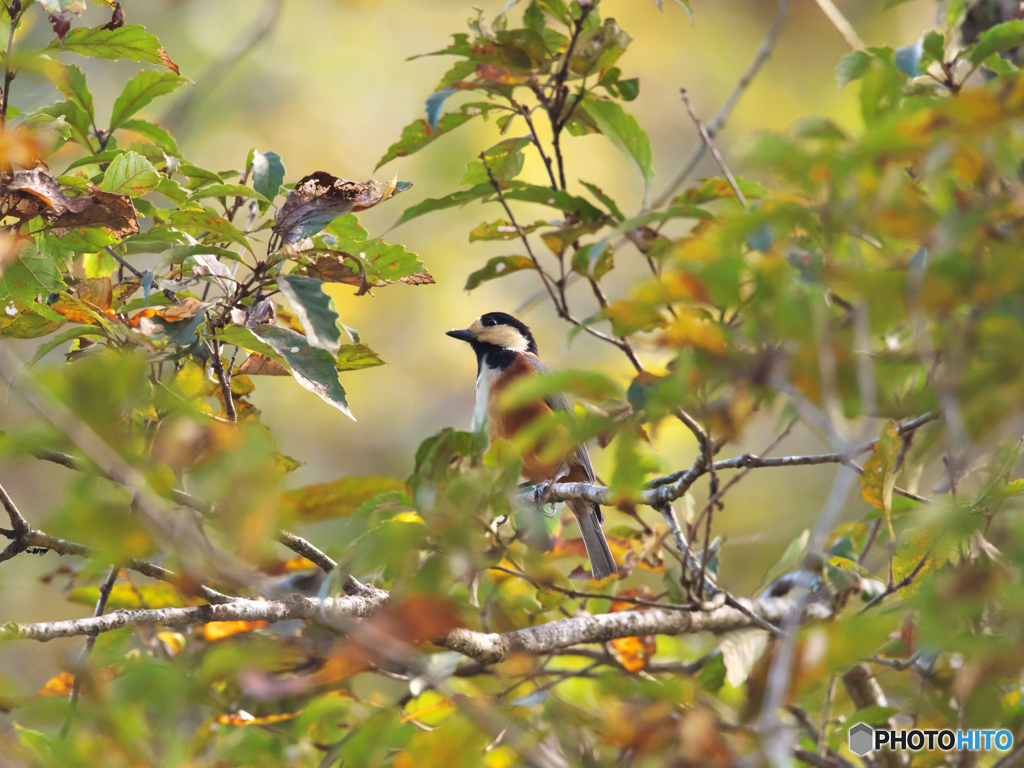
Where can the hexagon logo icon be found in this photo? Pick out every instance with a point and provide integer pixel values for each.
(861, 739)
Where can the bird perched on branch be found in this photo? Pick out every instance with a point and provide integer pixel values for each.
(505, 352)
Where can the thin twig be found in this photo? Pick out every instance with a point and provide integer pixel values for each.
(83, 658)
(225, 383)
(839, 22)
(577, 595)
(764, 51)
(904, 582)
(8, 72)
(714, 150)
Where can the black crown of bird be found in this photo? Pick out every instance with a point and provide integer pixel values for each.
(505, 352)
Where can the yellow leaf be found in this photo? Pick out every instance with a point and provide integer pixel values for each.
(216, 630)
(878, 479)
(444, 705)
(58, 685)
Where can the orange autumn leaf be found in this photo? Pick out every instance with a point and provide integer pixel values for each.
(634, 653)
(287, 566)
(217, 630)
(244, 718)
(58, 685)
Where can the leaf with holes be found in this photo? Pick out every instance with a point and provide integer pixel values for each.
(320, 198)
(312, 367)
(30, 277)
(315, 310)
(499, 266)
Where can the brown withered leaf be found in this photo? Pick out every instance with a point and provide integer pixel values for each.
(116, 18)
(115, 213)
(261, 365)
(61, 23)
(162, 53)
(319, 198)
(36, 192)
(335, 269)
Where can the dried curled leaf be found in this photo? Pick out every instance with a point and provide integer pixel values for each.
(109, 210)
(319, 198)
(37, 193)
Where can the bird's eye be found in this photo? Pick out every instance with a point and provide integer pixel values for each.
(489, 321)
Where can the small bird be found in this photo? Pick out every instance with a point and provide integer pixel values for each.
(506, 351)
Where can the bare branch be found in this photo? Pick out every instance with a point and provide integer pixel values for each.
(839, 22)
(35, 538)
(764, 51)
(18, 522)
(101, 608)
(865, 691)
(714, 150)
(493, 648)
(905, 581)
(487, 648)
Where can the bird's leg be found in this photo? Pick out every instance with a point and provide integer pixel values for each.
(542, 490)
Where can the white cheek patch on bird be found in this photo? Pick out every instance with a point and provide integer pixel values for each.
(502, 336)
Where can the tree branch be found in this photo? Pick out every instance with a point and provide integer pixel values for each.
(293, 607)
(718, 122)
(714, 150)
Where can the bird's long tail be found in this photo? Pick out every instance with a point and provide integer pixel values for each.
(602, 563)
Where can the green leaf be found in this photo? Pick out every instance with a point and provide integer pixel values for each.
(1009, 34)
(198, 177)
(106, 156)
(247, 340)
(875, 714)
(77, 332)
(516, 190)
(267, 176)
(563, 201)
(130, 174)
(594, 260)
(505, 159)
(154, 133)
(76, 118)
(355, 357)
(226, 190)
(71, 82)
(933, 46)
(338, 498)
(132, 597)
(789, 557)
(878, 479)
(429, 205)
(314, 368)
(606, 201)
(172, 191)
(625, 133)
(502, 230)
(712, 674)
(315, 310)
(419, 134)
(140, 91)
(852, 67)
(500, 266)
(131, 41)
(31, 275)
(209, 222)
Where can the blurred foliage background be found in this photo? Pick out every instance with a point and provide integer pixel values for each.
(330, 88)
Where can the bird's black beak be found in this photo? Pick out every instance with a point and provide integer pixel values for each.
(461, 335)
